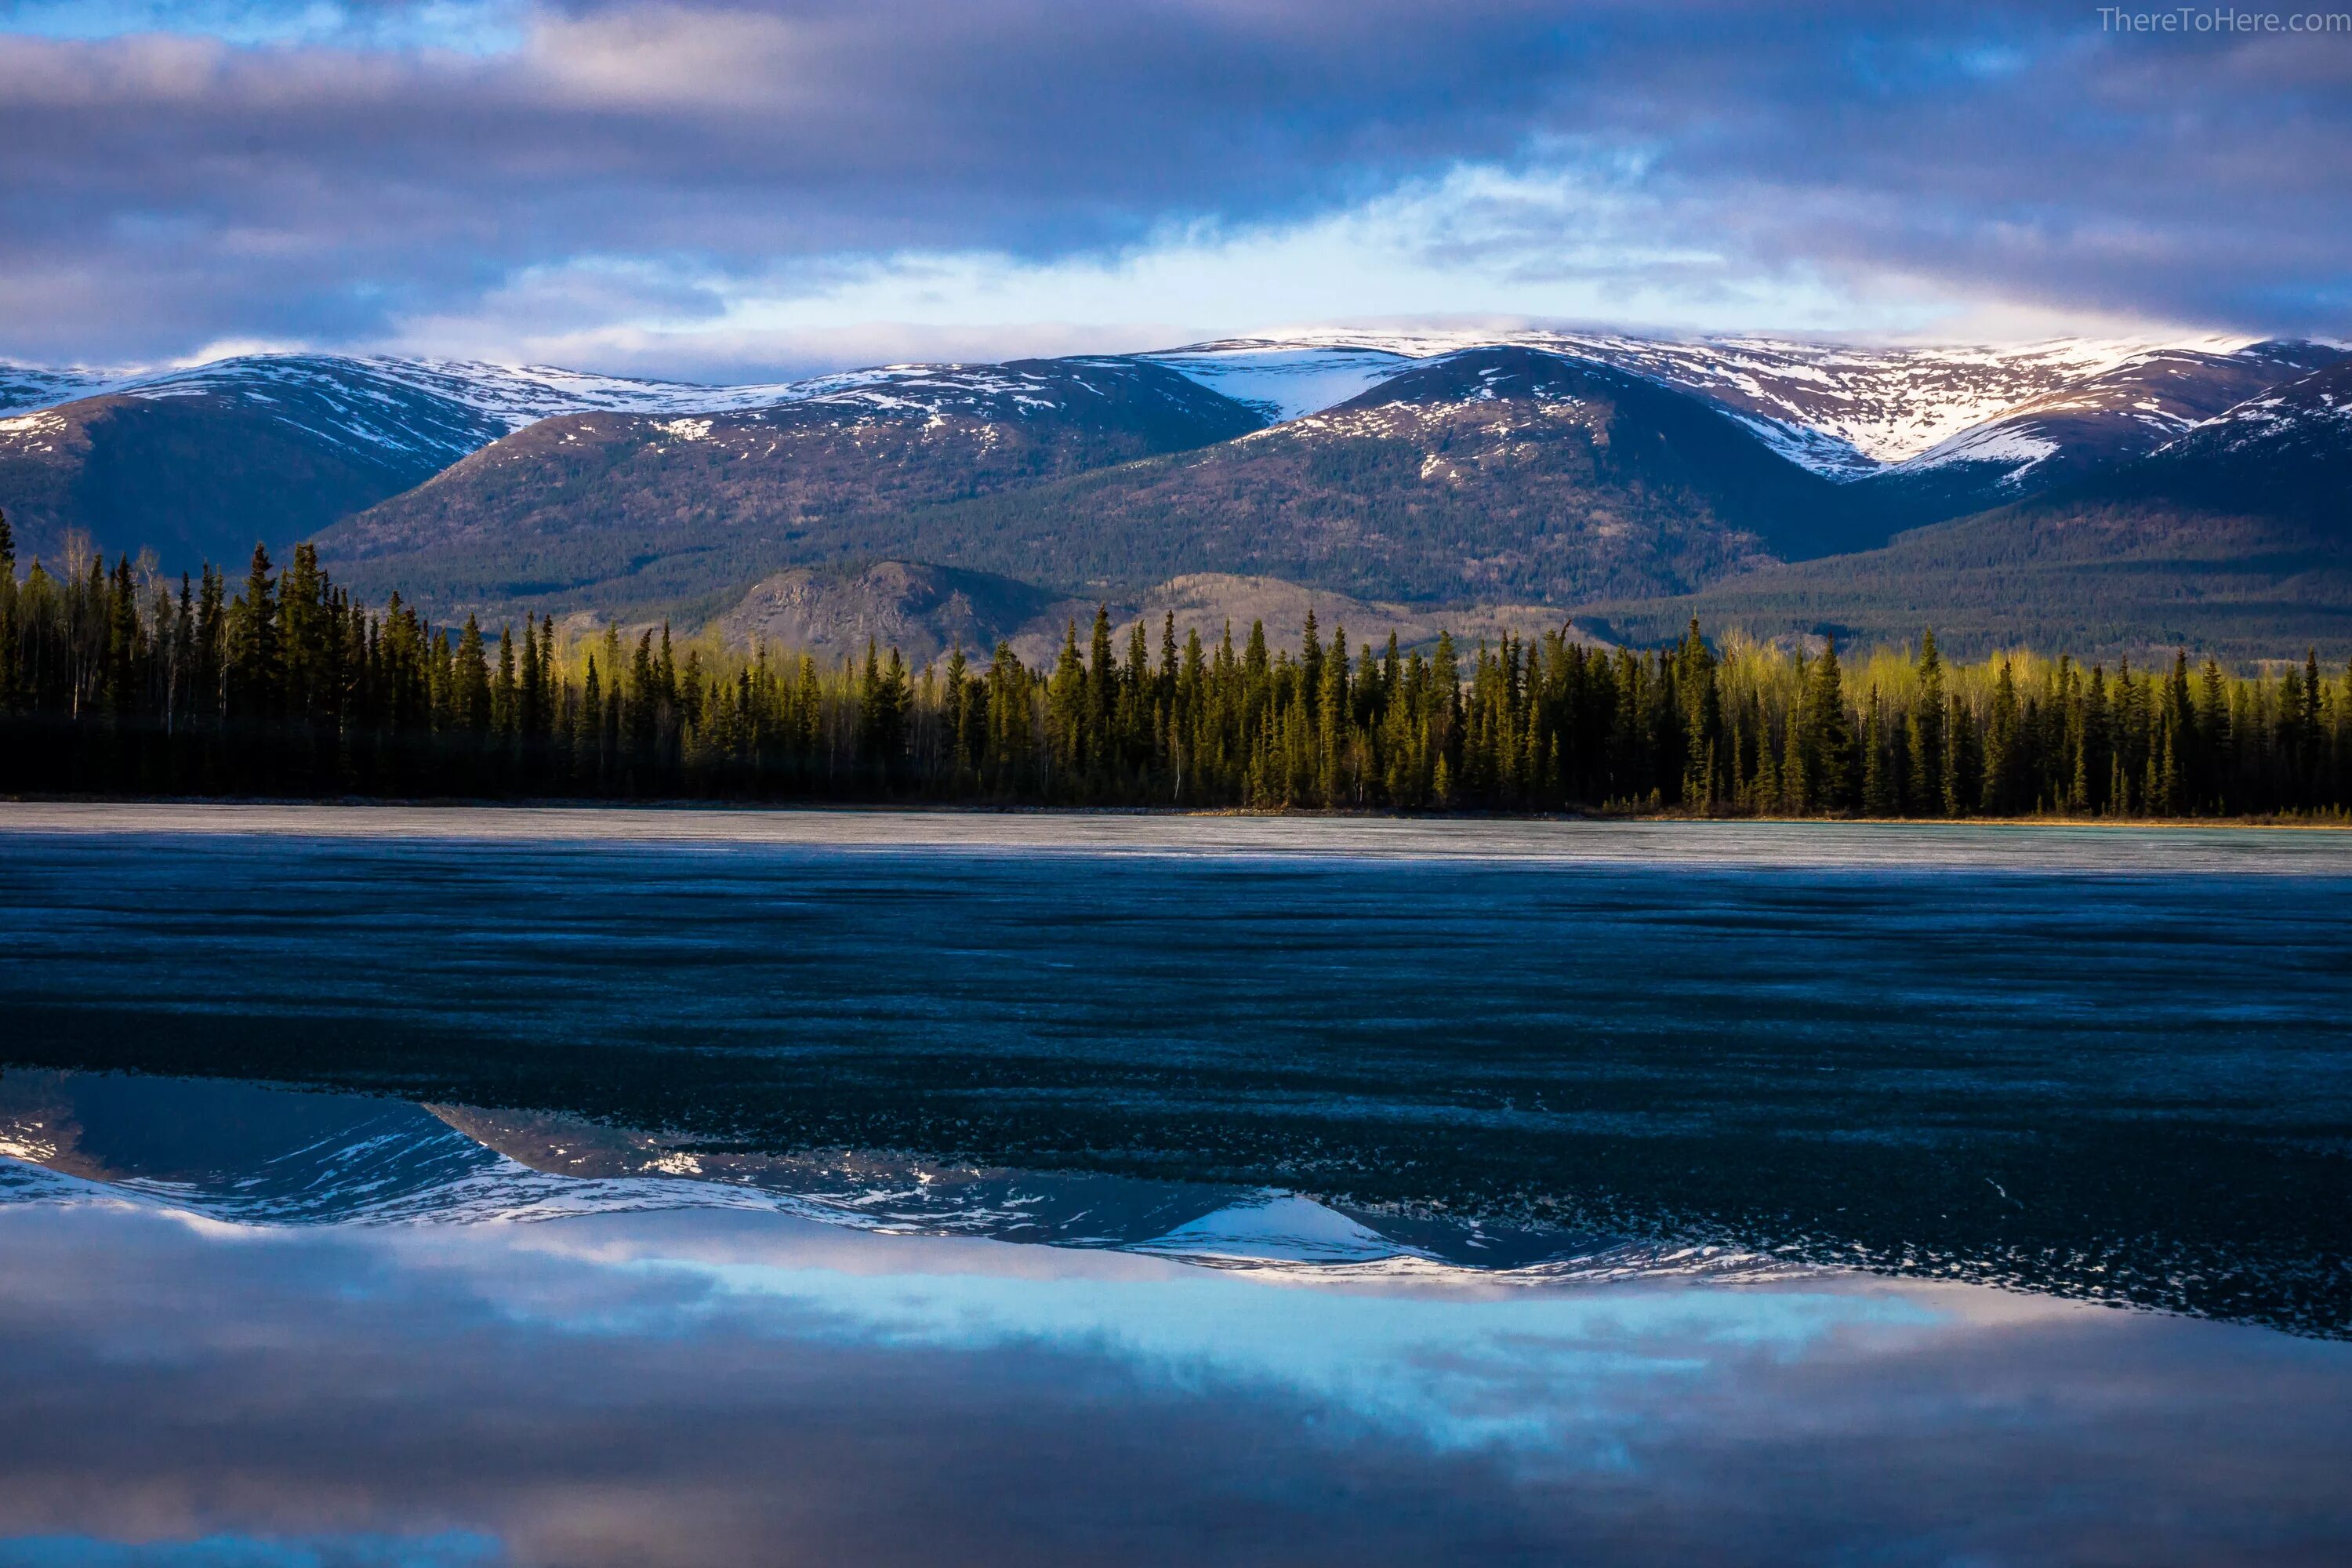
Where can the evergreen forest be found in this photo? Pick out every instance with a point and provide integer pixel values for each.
(115, 681)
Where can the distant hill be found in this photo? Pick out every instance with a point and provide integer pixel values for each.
(921, 611)
(199, 470)
(925, 611)
(2235, 537)
(1490, 475)
(199, 463)
(639, 515)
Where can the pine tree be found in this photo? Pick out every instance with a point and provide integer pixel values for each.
(472, 703)
(254, 671)
(2004, 760)
(1828, 740)
(1925, 733)
(588, 731)
(503, 691)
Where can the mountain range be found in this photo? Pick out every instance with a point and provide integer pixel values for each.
(2105, 493)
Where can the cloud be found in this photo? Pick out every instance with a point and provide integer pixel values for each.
(742, 183)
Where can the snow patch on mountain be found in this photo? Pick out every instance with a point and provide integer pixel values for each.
(1991, 443)
(2315, 409)
(32, 432)
(2127, 411)
(1284, 382)
(514, 396)
(44, 386)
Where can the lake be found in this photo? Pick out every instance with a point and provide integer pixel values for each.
(470, 1186)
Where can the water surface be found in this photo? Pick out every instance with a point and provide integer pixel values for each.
(639, 1186)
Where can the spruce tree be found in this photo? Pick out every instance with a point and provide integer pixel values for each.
(253, 642)
(503, 688)
(1066, 715)
(1925, 731)
(2004, 761)
(472, 706)
(1827, 736)
(588, 732)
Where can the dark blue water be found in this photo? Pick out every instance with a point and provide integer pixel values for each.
(656, 1200)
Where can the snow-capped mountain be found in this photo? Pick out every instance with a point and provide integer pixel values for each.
(1844, 411)
(444, 409)
(2088, 425)
(198, 464)
(1386, 465)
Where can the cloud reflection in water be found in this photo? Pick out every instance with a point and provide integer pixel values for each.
(703, 1386)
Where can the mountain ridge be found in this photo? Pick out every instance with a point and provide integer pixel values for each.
(1378, 465)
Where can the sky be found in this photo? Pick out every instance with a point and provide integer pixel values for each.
(735, 189)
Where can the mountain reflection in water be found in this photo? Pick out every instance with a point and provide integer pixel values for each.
(255, 1154)
(230, 1332)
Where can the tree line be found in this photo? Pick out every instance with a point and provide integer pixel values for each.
(115, 681)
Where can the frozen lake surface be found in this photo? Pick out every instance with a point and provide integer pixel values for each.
(441, 1185)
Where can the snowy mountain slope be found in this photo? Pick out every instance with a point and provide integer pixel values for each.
(41, 386)
(2087, 425)
(2139, 405)
(1844, 411)
(2305, 422)
(1282, 380)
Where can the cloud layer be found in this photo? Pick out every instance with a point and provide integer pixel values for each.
(767, 185)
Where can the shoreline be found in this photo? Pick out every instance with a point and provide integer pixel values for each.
(2342, 824)
(2019, 844)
